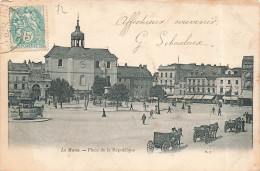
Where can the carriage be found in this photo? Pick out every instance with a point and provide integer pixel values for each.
(236, 124)
(205, 132)
(164, 141)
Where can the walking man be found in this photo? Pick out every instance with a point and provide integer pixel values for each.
(104, 113)
(189, 109)
(243, 125)
(213, 110)
(151, 114)
(131, 106)
(182, 106)
(219, 111)
(169, 110)
(143, 118)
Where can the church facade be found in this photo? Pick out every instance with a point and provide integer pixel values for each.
(79, 65)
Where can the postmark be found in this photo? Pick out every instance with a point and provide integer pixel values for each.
(27, 27)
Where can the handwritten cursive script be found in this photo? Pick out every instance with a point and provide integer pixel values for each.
(135, 19)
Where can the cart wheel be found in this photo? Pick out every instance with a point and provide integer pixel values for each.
(150, 146)
(165, 147)
(194, 137)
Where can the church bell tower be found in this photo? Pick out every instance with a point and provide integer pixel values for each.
(77, 37)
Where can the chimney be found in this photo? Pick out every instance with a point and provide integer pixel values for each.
(24, 61)
(125, 64)
(145, 66)
(140, 66)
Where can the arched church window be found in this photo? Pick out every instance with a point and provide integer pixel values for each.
(82, 80)
(229, 72)
(60, 62)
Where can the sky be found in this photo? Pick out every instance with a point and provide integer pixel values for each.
(233, 33)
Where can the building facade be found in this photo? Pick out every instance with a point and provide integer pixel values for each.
(138, 80)
(247, 72)
(79, 65)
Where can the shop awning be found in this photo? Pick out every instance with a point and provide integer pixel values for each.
(188, 97)
(171, 97)
(246, 94)
(230, 98)
(208, 97)
(197, 97)
(179, 96)
(175, 97)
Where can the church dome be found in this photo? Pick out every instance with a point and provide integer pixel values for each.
(77, 37)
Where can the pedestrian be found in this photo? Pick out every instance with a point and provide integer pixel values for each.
(151, 114)
(243, 125)
(131, 106)
(169, 110)
(49, 102)
(182, 106)
(189, 109)
(213, 110)
(219, 111)
(246, 117)
(104, 113)
(143, 118)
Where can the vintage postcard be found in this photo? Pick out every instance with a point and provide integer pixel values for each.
(129, 85)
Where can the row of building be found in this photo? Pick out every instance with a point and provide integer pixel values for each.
(80, 66)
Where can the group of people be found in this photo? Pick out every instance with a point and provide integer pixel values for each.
(219, 111)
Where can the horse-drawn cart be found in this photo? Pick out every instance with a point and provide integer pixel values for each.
(236, 124)
(164, 141)
(205, 132)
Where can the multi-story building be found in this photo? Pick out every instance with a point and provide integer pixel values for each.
(25, 79)
(155, 78)
(138, 80)
(247, 72)
(18, 78)
(175, 78)
(79, 65)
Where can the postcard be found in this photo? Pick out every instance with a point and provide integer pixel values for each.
(129, 85)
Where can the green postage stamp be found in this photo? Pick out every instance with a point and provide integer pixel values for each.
(27, 27)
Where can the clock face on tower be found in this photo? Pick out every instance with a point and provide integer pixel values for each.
(83, 64)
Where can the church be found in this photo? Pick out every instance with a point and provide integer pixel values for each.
(79, 65)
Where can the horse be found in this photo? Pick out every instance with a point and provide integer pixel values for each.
(176, 138)
(214, 128)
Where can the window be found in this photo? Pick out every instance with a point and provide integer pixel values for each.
(203, 89)
(97, 64)
(229, 81)
(191, 73)
(189, 81)
(198, 89)
(170, 89)
(170, 82)
(198, 81)
(16, 78)
(108, 80)
(15, 86)
(203, 82)
(119, 79)
(184, 92)
(189, 89)
(161, 81)
(170, 75)
(180, 91)
(59, 62)
(23, 78)
(209, 82)
(180, 85)
(209, 90)
(193, 82)
(165, 82)
(108, 65)
(23, 86)
(184, 85)
(213, 90)
(221, 89)
(161, 74)
(193, 89)
(221, 81)
(165, 74)
(229, 72)
(236, 81)
(82, 80)
(213, 82)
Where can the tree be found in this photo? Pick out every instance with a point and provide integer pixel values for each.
(99, 84)
(157, 91)
(61, 90)
(118, 92)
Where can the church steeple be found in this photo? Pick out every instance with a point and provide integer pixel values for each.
(77, 37)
